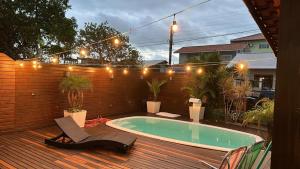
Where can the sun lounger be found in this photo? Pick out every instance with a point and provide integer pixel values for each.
(74, 137)
(231, 161)
(251, 155)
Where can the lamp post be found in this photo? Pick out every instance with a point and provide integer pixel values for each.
(173, 29)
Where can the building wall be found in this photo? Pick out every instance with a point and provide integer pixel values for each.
(30, 98)
(224, 56)
(253, 47)
(271, 72)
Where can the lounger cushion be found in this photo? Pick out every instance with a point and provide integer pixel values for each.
(71, 129)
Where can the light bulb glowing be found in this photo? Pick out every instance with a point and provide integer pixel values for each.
(170, 72)
(188, 68)
(110, 71)
(146, 69)
(34, 66)
(200, 71)
(54, 60)
(145, 72)
(175, 28)
(107, 68)
(70, 68)
(83, 52)
(241, 66)
(125, 71)
(39, 66)
(116, 41)
(34, 62)
(21, 64)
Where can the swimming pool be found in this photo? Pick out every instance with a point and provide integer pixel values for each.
(193, 134)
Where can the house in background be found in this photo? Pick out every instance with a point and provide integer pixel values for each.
(262, 69)
(249, 44)
(156, 65)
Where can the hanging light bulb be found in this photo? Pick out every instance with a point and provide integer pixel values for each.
(200, 71)
(107, 68)
(21, 64)
(125, 71)
(34, 62)
(241, 66)
(70, 68)
(54, 60)
(34, 66)
(110, 71)
(174, 26)
(116, 41)
(170, 71)
(39, 66)
(83, 52)
(188, 68)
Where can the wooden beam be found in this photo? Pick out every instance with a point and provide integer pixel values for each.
(286, 133)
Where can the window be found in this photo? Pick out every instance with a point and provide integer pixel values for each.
(263, 46)
(264, 82)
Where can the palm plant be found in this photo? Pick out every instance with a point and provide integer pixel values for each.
(74, 86)
(154, 87)
(261, 114)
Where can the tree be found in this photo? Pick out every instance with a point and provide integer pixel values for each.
(29, 27)
(98, 39)
(205, 86)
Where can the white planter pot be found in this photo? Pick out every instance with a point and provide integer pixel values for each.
(78, 117)
(196, 113)
(153, 106)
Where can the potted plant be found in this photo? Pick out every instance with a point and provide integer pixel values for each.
(74, 86)
(154, 105)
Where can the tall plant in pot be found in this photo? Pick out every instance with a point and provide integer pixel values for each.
(75, 86)
(154, 87)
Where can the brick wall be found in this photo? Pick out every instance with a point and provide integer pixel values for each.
(30, 97)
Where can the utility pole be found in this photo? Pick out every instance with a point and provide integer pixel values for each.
(173, 29)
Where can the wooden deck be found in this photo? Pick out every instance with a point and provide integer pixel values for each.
(27, 150)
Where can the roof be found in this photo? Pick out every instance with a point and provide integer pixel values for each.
(266, 14)
(149, 63)
(212, 48)
(258, 36)
(255, 60)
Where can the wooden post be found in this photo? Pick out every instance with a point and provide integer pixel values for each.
(286, 133)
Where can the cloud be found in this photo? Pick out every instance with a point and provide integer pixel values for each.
(213, 18)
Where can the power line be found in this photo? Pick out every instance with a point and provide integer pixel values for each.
(140, 27)
(198, 38)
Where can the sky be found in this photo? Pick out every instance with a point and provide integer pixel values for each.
(196, 25)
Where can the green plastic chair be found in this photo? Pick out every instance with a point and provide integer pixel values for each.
(231, 159)
(251, 155)
(265, 155)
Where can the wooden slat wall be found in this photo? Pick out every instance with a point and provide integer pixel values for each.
(7, 93)
(35, 100)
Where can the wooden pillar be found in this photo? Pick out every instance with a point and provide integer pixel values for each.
(286, 133)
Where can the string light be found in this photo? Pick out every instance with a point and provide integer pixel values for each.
(200, 71)
(54, 60)
(170, 71)
(241, 66)
(107, 68)
(83, 52)
(174, 26)
(34, 66)
(188, 68)
(70, 68)
(110, 71)
(116, 41)
(34, 62)
(125, 71)
(21, 64)
(39, 66)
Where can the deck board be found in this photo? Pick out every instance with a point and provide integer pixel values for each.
(27, 150)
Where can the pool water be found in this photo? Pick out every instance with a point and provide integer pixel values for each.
(187, 133)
